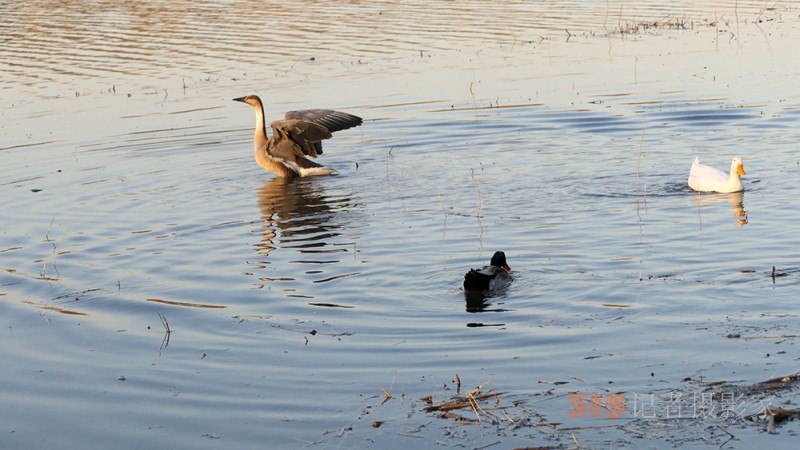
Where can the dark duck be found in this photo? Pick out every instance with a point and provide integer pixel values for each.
(489, 277)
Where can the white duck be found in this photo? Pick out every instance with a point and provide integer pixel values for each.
(703, 178)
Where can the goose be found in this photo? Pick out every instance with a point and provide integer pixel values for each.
(489, 277)
(295, 138)
(703, 178)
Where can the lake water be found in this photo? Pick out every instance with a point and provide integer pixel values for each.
(560, 133)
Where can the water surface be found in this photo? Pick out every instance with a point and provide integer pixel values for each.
(562, 135)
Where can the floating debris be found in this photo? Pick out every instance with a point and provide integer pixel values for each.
(776, 274)
(189, 304)
(331, 305)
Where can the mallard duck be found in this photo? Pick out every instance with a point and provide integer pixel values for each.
(295, 138)
(705, 178)
(489, 277)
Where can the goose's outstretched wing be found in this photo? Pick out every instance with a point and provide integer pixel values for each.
(332, 120)
(293, 139)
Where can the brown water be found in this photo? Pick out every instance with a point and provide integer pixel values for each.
(560, 133)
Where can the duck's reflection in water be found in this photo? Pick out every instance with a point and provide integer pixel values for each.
(296, 213)
(735, 199)
(477, 302)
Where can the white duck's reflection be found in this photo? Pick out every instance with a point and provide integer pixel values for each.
(735, 199)
(297, 213)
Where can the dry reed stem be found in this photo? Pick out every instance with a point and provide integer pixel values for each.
(480, 200)
(578, 444)
(473, 403)
(639, 161)
(458, 404)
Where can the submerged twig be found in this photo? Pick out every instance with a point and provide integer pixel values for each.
(54, 252)
(47, 239)
(167, 330)
(164, 322)
(480, 201)
(776, 274)
(728, 433)
(639, 162)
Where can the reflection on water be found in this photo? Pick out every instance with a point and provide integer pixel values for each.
(554, 178)
(478, 302)
(297, 214)
(297, 211)
(276, 200)
(704, 201)
(482, 301)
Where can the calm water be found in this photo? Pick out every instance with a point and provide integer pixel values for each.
(560, 134)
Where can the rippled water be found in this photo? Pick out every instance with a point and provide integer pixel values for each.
(560, 134)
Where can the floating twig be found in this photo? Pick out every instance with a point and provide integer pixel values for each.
(776, 336)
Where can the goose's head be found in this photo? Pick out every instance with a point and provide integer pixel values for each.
(499, 260)
(737, 166)
(251, 100)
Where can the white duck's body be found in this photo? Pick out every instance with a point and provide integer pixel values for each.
(703, 178)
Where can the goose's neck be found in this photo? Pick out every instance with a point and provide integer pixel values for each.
(260, 135)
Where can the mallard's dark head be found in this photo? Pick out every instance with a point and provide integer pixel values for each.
(499, 260)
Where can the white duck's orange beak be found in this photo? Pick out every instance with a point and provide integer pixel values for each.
(740, 169)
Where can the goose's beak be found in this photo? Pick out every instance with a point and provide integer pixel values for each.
(740, 169)
(240, 99)
(506, 268)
